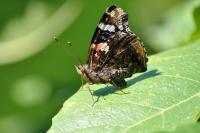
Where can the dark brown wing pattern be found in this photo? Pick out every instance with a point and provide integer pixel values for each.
(113, 43)
(113, 20)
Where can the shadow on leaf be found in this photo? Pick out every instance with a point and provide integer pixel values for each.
(146, 75)
(111, 89)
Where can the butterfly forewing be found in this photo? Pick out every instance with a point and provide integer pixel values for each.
(113, 20)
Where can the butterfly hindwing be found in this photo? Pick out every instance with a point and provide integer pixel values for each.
(130, 53)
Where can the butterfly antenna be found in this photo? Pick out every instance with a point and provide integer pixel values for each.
(70, 51)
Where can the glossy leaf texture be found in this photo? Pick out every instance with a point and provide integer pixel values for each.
(166, 96)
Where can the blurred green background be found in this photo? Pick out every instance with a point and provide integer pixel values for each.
(37, 75)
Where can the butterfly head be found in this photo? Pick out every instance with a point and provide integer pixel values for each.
(84, 72)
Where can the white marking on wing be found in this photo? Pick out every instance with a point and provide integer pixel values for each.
(120, 27)
(110, 28)
(105, 47)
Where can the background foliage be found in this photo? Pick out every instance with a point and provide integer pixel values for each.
(37, 75)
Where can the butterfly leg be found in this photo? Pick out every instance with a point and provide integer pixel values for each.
(120, 85)
(94, 101)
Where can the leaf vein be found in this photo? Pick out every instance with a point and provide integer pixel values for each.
(178, 76)
(152, 107)
(164, 110)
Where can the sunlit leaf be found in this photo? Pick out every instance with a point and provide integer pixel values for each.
(188, 128)
(165, 96)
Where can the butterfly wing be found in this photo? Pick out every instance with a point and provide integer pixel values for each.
(130, 53)
(114, 44)
(113, 20)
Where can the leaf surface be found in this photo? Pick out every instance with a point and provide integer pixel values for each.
(164, 97)
(187, 128)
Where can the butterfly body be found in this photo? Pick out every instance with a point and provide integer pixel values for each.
(115, 52)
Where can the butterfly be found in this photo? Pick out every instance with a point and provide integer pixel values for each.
(115, 52)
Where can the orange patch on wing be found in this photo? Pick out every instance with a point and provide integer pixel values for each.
(99, 46)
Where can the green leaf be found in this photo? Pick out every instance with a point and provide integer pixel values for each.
(188, 128)
(165, 96)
